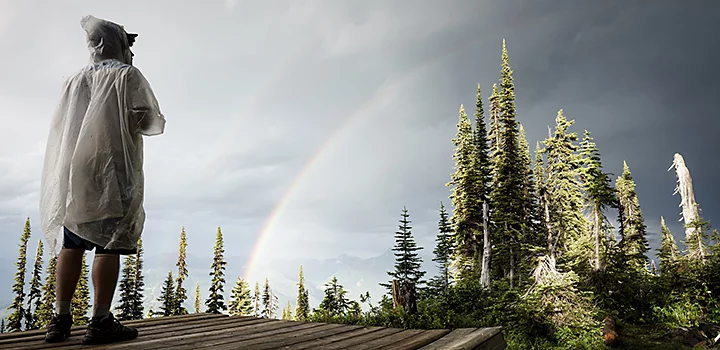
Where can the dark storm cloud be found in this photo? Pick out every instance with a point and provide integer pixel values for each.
(364, 96)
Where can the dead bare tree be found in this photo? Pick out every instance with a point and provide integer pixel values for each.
(690, 211)
(487, 249)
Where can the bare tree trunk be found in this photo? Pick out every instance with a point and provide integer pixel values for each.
(548, 225)
(487, 249)
(596, 227)
(690, 212)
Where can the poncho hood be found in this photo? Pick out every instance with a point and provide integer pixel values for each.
(105, 39)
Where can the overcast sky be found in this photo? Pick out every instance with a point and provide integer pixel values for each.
(367, 93)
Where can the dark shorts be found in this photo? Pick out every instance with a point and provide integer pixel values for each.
(72, 241)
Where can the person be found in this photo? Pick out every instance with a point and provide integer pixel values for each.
(92, 182)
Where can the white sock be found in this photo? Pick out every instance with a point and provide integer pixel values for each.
(62, 307)
(100, 311)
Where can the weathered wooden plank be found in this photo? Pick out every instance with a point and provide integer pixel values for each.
(349, 342)
(472, 341)
(306, 335)
(170, 338)
(134, 323)
(261, 341)
(143, 326)
(450, 338)
(220, 341)
(417, 341)
(388, 340)
(319, 343)
(496, 342)
(180, 339)
(146, 331)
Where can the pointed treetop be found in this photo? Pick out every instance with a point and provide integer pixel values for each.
(479, 109)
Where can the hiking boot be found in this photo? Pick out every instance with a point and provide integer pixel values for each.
(107, 329)
(59, 328)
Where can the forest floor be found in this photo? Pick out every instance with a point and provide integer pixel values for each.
(637, 337)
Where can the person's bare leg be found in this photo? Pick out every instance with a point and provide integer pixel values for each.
(106, 268)
(69, 265)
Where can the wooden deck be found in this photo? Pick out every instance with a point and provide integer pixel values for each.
(223, 332)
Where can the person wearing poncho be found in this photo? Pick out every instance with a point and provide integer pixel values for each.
(92, 179)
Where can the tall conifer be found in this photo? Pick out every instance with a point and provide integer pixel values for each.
(506, 199)
(407, 261)
(216, 301)
(182, 274)
(45, 311)
(633, 245)
(137, 307)
(599, 194)
(302, 310)
(35, 293)
(17, 307)
(564, 191)
(443, 249)
(167, 296)
(463, 183)
(127, 288)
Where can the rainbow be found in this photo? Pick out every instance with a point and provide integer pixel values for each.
(380, 99)
(387, 90)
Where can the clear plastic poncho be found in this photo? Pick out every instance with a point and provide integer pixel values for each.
(92, 178)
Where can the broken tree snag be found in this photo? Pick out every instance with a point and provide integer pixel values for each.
(403, 295)
(690, 212)
(487, 249)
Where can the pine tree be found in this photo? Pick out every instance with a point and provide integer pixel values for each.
(45, 311)
(532, 238)
(495, 126)
(267, 301)
(633, 245)
(33, 301)
(167, 297)
(668, 251)
(240, 300)
(483, 173)
(407, 260)
(302, 310)
(181, 293)
(506, 198)
(287, 312)
(335, 302)
(18, 311)
(2, 326)
(443, 250)
(127, 289)
(198, 300)
(80, 303)
(481, 161)
(599, 194)
(563, 189)
(463, 195)
(216, 301)
(256, 300)
(138, 309)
